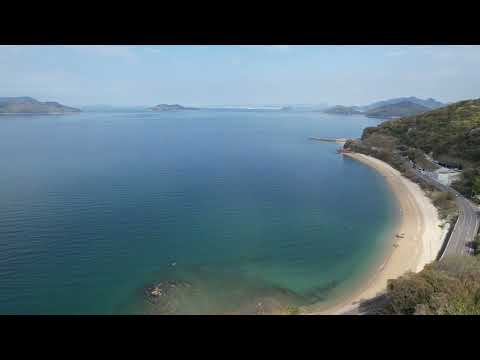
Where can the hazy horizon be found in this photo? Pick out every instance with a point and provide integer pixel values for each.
(238, 75)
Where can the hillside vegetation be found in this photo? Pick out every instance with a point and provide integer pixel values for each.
(449, 134)
(448, 287)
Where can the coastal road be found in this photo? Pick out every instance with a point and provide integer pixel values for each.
(467, 224)
(462, 234)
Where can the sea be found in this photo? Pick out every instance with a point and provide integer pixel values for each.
(222, 211)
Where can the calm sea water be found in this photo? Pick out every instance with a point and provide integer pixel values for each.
(239, 205)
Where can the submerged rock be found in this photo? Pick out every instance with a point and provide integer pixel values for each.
(164, 289)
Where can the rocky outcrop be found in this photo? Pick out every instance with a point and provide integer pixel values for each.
(157, 292)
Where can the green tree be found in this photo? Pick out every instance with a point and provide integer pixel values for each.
(447, 287)
(476, 244)
(476, 185)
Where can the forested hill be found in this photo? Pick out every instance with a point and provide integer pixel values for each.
(449, 134)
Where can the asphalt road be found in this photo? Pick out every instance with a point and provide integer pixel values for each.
(467, 224)
(463, 233)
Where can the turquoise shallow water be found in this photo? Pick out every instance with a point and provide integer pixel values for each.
(239, 205)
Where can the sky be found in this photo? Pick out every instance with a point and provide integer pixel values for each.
(120, 75)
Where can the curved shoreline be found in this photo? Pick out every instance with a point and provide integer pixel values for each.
(422, 237)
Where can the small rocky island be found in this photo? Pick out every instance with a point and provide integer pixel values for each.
(28, 105)
(172, 107)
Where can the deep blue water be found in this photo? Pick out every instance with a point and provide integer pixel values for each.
(238, 204)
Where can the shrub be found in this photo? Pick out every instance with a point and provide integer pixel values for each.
(292, 310)
(476, 245)
(451, 286)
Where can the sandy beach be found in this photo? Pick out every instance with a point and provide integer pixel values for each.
(419, 237)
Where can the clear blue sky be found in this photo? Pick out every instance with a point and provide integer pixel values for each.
(238, 75)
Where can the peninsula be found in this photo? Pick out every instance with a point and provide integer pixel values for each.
(437, 231)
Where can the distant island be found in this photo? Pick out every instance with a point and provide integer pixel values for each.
(305, 107)
(342, 110)
(111, 108)
(173, 107)
(28, 105)
(429, 103)
(388, 109)
(401, 109)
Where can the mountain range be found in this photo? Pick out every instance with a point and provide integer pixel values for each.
(391, 108)
(403, 108)
(428, 103)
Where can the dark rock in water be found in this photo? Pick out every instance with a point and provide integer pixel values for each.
(164, 290)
